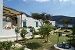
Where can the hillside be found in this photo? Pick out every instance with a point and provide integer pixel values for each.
(59, 17)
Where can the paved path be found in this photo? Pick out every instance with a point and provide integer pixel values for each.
(52, 32)
(8, 35)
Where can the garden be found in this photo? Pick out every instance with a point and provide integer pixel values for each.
(46, 39)
(39, 43)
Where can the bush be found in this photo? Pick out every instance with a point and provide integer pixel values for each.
(23, 33)
(20, 48)
(36, 33)
(5, 45)
(32, 29)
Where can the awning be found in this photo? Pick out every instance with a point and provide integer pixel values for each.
(11, 12)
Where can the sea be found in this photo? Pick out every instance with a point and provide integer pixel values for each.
(61, 25)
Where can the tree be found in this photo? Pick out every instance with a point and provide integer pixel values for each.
(41, 17)
(17, 31)
(45, 29)
(33, 31)
(66, 21)
(23, 33)
(73, 32)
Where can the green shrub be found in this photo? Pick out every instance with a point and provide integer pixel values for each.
(5, 45)
(21, 48)
(23, 33)
(32, 29)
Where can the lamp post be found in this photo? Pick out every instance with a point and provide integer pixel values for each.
(58, 39)
(59, 34)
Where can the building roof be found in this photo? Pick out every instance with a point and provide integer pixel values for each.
(27, 15)
(11, 12)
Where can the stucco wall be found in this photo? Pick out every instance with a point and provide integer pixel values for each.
(6, 23)
(53, 23)
(30, 21)
(1, 17)
(19, 21)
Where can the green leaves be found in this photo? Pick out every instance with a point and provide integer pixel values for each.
(45, 29)
(17, 30)
(5, 45)
(66, 21)
(36, 16)
(42, 16)
(23, 33)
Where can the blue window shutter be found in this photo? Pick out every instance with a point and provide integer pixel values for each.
(36, 24)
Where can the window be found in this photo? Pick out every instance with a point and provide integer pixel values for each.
(24, 24)
(36, 24)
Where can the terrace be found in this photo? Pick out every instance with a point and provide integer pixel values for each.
(10, 18)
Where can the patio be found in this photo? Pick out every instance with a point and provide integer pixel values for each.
(11, 18)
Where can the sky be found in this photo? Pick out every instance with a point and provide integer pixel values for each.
(53, 7)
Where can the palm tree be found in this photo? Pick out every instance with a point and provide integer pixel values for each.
(17, 31)
(45, 29)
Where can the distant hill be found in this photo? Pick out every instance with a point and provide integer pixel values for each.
(57, 18)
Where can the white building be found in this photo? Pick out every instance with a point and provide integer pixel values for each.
(16, 18)
(53, 23)
(10, 18)
(28, 21)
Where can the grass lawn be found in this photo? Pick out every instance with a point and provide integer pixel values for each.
(70, 31)
(38, 44)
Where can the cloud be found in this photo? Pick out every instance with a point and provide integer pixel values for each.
(24, 0)
(69, 1)
(37, 0)
(64, 0)
(9, 0)
(42, 0)
(47, 0)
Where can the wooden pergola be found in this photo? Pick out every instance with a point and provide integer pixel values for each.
(9, 12)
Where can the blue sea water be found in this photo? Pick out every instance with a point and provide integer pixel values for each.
(61, 25)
